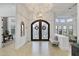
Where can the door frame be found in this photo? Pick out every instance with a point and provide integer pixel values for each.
(40, 21)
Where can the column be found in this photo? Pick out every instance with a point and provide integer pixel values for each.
(75, 25)
(0, 32)
(78, 23)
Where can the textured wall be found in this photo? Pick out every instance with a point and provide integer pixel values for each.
(22, 16)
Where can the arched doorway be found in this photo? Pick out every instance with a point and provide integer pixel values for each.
(40, 30)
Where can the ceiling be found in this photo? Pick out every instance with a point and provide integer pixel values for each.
(39, 7)
(59, 9)
(65, 9)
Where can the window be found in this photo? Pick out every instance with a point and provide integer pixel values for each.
(62, 20)
(60, 29)
(56, 27)
(57, 20)
(64, 30)
(70, 27)
(69, 20)
(70, 30)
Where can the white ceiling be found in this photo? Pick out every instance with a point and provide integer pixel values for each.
(65, 9)
(59, 9)
(7, 10)
(39, 7)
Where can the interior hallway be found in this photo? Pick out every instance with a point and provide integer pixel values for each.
(35, 48)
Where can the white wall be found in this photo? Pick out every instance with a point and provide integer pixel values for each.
(22, 15)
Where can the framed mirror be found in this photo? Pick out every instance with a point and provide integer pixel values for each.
(22, 29)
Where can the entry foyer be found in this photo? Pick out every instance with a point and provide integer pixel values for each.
(40, 29)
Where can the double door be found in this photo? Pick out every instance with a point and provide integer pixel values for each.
(40, 31)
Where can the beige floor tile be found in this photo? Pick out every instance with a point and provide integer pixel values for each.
(34, 48)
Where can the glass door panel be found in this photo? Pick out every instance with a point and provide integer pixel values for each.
(36, 30)
(44, 29)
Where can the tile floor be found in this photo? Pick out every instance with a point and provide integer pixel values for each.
(35, 48)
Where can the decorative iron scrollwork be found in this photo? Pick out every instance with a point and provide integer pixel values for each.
(36, 27)
(43, 27)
